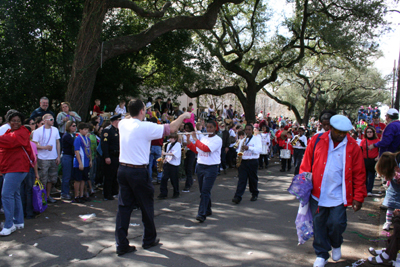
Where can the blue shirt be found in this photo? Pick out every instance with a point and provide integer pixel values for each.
(332, 189)
(80, 146)
(390, 138)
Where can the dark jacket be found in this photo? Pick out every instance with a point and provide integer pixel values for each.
(225, 139)
(390, 138)
(39, 112)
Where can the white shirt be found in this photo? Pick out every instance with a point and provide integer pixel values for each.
(209, 111)
(303, 138)
(45, 139)
(4, 128)
(333, 193)
(265, 142)
(254, 145)
(210, 158)
(177, 151)
(135, 138)
(119, 110)
(224, 113)
(232, 133)
(184, 139)
(260, 116)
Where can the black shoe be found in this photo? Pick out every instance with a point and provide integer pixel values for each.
(155, 243)
(162, 197)
(282, 170)
(209, 213)
(77, 200)
(253, 198)
(175, 196)
(201, 219)
(289, 169)
(108, 198)
(129, 250)
(236, 200)
(224, 171)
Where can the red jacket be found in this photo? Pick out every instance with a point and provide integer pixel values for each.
(12, 156)
(355, 175)
(371, 153)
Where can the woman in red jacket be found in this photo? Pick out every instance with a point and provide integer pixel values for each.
(15, 157)
(370, 156)
(284, 143)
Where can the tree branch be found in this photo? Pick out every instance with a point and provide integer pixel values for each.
(285, 103)
(138, 10)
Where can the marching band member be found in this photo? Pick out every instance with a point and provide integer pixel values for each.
(189, 158)
(209, 158)
(133, 175)
(265, 141)
(251, 147)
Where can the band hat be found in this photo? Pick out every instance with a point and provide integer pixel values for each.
(392, 111)
(341, 123)
(115, 117)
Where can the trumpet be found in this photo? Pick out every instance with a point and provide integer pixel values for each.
(236, 145)
(185, 133)
(294, 141)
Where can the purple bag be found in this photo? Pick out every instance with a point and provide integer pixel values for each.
(301, 187)
(304, 224)
(39, 197)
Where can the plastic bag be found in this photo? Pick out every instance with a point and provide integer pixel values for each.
(39, 197)
(304, 224)
(301, 187)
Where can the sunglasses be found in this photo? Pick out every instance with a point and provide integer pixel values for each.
(369, 132)
(32, 123)
(73, 125)
(49, 119)
(339, 132)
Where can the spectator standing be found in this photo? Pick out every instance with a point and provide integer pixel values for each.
(67, 158)
(391, 135)
(370, 157)
(225, 112)
(299, 149)
(66, 115)
(158, 104)
(230, 112)
(15, 157)
(47, 139)
(336, 163)
(155, 153)
(167, 105)
(96, 107)
(42, 110)
(378, 125)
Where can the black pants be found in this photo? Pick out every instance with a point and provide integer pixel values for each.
(223, 158)
(170, 172)
(135, 188)
(297, 157)
(99, 170)
(110, 178)
(263, 158)
(287, 162)
(231, 157)
(189, 167)
(247, 171)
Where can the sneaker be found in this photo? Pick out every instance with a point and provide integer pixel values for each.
(8, 231)
(78, 200)
(51, 200)
(320, 262)
(66, 197)
(386, 226)
(221, 169)
(54, 191)
(162, 197)
(336, 254)
(1, 211)
(369, 194)
(19, 226)
(186, 190)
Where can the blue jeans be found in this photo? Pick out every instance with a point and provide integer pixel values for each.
(1, 186)
(370, 181)
(329, 226)
(155, 153)
(11, 198)
(206, 174)
(66, 163)
(26, 193)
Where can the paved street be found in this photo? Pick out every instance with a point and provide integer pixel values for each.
(260, 233)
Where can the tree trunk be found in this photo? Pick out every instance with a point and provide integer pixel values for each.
(87, 57)
(249, 104)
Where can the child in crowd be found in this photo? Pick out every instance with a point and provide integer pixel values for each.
(172, 161)
(388, 167)
(82, 162)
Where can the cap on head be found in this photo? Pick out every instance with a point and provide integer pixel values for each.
(392, 111)
(341, 123)
(115, 117)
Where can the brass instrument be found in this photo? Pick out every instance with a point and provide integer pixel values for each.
(183, 152)
(236, 145)
(295, 139)
(160, 160)
(240, 154)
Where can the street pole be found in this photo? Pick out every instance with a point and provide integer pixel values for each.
(396, 104)
(394, 79)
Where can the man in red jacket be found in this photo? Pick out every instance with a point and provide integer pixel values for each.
(337, 165)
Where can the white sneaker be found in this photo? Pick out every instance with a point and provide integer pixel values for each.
(386, 226)
(19, 226)
(369, 194)
(1, 211)
(8, 231)
(320, 262)
(336, 254)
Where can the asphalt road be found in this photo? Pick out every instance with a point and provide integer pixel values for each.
(260, 233)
